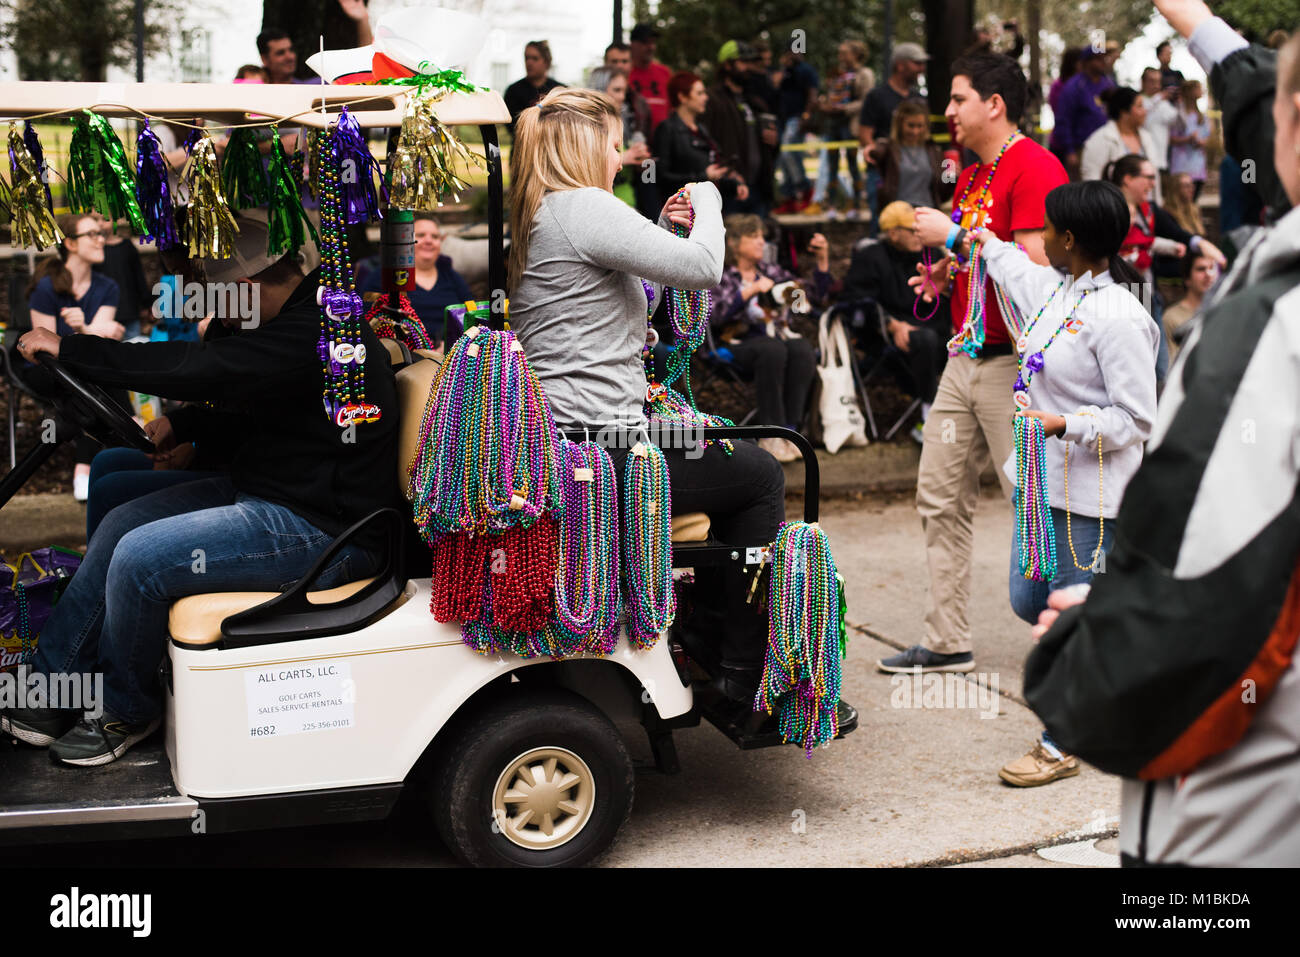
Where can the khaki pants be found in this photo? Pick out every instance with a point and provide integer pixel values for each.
(969, 422)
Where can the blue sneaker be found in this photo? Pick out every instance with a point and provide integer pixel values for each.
(920, 658)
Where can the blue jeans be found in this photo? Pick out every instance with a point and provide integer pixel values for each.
(121, 475)
(1029, 598)
(793, 180)
(189, 539)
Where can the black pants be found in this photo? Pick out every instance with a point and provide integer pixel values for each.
(783, 371)
(87, 448)
(744, 496)
(927, 352)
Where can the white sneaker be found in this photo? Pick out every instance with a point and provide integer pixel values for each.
(81, 487)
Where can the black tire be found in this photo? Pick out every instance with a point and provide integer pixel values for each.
(490, 742)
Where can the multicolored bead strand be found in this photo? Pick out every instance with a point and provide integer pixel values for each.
(27, 643)
(802, 667)
(960, 210)
(1028, 365)
(488, 453)
(647, 546)
(1033, 506)
(340, 348)
(970, 338)
(588, 605)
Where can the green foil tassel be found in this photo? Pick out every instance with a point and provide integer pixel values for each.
(100, 177)
(209, 225)
(424, 165)
(242, 175)
(33, 223)
(285, 214)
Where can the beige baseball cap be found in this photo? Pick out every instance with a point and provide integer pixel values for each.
(250, 256)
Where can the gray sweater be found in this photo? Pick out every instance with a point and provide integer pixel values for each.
(580, 310)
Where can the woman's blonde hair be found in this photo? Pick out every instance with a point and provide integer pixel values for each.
(1183, 210)
(561, 143)
(738, 227)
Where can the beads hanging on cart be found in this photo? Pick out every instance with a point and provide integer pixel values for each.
(588, 605)
(340, 347)
(647, 547)
(33, 221)
(488, 454)
(802, 666)
(408, 329)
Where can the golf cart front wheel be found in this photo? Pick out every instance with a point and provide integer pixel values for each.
(538, 780)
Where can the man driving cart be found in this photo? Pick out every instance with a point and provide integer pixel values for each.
(301, 477)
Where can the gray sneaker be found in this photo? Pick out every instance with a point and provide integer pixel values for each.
(39, 727)
(919, 658)
(101, 740)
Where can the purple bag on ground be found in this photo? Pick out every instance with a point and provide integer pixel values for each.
(29, 589)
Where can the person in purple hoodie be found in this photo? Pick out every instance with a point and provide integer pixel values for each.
(1079, 110)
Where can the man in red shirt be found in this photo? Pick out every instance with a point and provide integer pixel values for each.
(648, 76)
(971, 416)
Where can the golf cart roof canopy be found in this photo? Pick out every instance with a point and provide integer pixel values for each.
(305, 104)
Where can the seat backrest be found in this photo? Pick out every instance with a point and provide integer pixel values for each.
(414, 383)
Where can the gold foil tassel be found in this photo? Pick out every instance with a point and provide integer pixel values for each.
(33, 223)
(209, 225)
(424, 164)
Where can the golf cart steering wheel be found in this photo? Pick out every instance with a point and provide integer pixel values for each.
(90, 407)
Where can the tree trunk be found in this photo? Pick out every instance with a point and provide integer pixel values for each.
(948, 25)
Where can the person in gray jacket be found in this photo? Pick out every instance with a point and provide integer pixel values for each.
(581, 264)
(1179, 670)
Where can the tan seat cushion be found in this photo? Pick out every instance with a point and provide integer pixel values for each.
(196, 620)
(394, 350)
(691, 527)
(413, 386)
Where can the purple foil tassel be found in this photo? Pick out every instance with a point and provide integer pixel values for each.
(360, 204)
(152, 190)
(33, 144)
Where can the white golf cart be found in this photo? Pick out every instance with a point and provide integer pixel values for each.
(301, 707)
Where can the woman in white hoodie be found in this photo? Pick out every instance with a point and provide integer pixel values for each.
(1087, 351)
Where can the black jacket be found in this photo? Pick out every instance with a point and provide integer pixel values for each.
(734, 125)
(684, 156)
(879, 270)
(292, 454)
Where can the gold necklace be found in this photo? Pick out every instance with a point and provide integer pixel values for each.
(1101, 530)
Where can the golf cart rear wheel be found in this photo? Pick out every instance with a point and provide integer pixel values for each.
(540, 779)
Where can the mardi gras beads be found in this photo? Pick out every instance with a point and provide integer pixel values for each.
(488, 452)
(970, 338)
(1028, 365)
(340, 347)
(647, 548)
(409, 329)
(587, 601)
(967, 215)
(24, 625)
(802, 666)
(1033, 507)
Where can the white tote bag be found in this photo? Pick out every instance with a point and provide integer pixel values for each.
(842, 420)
